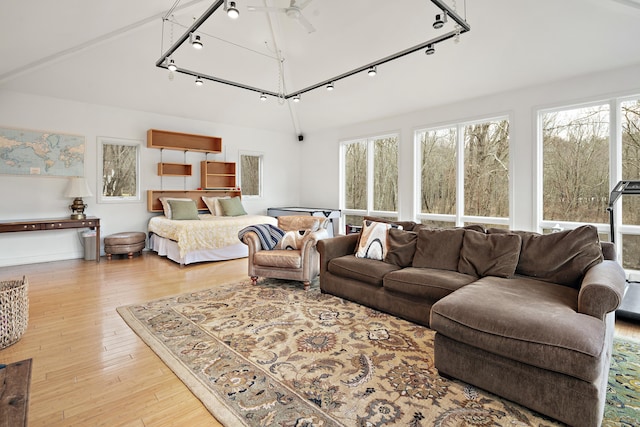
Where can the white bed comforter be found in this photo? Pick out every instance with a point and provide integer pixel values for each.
(210, 232)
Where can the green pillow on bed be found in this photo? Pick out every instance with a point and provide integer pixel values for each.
(183, 209)
(232, 207)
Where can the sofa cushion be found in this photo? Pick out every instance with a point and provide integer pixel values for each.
(438, 248)
(365, 270)
(401, 247)
(278, 258)
(373, 240)
(489, 254)
(427, 283)
(524, 319)
(562, 257)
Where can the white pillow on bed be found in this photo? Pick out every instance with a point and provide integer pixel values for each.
(213, 204)
(166, 207)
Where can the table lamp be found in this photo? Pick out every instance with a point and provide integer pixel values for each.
(78, 188)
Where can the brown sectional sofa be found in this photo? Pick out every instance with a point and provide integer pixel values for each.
(526, 316)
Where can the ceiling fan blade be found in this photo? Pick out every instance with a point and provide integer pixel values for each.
(306, 24)
(265, 9)
(304, 4)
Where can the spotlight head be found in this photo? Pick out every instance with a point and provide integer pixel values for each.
(195, 42)
(296, 98)
(373, 71)
(430, 50)
(330, 86)
(440, 20)
(199, 81)
(172, 65)
(263, 97)
(232, 11)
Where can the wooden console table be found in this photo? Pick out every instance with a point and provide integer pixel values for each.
(12, 226)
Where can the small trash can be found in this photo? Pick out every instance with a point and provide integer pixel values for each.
(89, 243)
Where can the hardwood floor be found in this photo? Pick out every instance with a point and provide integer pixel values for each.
(89, 368)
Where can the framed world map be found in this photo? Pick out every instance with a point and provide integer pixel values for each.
(32, 152)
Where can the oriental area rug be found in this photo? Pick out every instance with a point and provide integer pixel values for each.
(275, 355)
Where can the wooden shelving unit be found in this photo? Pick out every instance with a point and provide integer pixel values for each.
(214, 174)
(174, 169)
(183, 141)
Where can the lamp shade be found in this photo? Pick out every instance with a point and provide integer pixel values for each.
(78, 187)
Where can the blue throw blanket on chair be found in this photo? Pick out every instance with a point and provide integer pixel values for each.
(268, 234)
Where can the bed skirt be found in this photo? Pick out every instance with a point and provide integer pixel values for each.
(170, 249)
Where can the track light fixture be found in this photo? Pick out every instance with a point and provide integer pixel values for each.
(195, 42)
(232, 11)
(441, 19)
(442, 15)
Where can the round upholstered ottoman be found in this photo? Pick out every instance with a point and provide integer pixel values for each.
(128, 243)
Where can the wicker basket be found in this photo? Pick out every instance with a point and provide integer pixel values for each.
(14, 310)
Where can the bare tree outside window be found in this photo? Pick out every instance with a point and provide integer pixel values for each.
(576, 164)
(251, 174)
(630, 120)
(438, 171)
(385, 171)
(119, 165)
(486, 169)
(355, 167)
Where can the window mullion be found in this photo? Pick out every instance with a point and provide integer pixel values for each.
(459, 174)
(370, 175)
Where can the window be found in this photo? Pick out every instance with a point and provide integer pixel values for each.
(369, 181)
(630, 136)
(575, 150)
(579, 147)
(464, 173)
(251, 175)
(119, 169)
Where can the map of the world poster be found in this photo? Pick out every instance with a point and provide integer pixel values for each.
(30, 152)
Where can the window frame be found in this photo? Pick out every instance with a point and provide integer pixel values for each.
(615, 168)
(102, 141)
(369, 211)
(460, 218)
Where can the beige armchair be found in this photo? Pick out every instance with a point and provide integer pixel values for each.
(301, 264)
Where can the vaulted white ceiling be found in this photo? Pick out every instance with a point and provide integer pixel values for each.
(105, 52)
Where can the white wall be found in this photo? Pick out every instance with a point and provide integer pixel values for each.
(25, 197)
(320, 178)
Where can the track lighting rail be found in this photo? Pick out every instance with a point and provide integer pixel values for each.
(165, 60)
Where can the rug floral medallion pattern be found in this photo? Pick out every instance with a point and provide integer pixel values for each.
(275, 355)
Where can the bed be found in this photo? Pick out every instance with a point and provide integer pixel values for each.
(211, 238)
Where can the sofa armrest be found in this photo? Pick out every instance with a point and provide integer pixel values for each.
(252, 240)
(311, 240)
(602, 289)
(336, 247)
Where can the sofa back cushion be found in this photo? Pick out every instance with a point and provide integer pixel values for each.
(489, 254)
(562, 257)
(438, 248)
(405, 225)
(401, 247)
